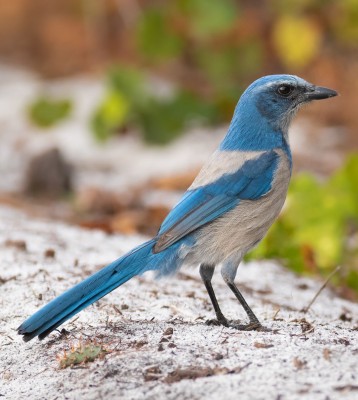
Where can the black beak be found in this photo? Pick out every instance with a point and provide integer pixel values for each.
(319, 93)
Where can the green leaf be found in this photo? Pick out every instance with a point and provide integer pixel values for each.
(163, 120)
(208, 18)
(129, 82)
(352, 279)
(46, 112)
(110, 116)
(156, 37)
(81, 354)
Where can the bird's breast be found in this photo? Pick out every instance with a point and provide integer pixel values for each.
(244, 226)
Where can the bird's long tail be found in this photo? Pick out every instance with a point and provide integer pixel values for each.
(88, 291)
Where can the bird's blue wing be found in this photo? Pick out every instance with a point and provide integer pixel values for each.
(206, 203)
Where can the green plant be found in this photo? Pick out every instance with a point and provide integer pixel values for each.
(318, 227)
(46, 112)
(128, 101)
(81, 354)
(213, 50)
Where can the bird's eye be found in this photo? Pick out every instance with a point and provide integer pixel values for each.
(285, 90)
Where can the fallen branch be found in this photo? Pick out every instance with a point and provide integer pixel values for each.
(305, 309)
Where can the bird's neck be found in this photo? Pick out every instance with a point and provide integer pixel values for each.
(250, 131)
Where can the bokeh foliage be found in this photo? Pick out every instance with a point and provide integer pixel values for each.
(213, 50)
(209, 50)
(318, 228)
(46, 112)
(128, 101)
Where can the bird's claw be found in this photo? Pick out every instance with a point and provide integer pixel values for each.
(251, 326)
(216, 322)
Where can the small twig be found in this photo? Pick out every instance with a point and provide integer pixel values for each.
(75, 319)
(276, 313)
(41, 372)
(116, 309)
(305, 309)
(309, 331)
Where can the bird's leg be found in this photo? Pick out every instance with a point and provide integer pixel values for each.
(254, 322)
(206, 273)
(228, 273)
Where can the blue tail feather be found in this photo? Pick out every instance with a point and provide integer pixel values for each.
(90, 290)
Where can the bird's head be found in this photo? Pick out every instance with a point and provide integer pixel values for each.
(265, 110)
(278, 97)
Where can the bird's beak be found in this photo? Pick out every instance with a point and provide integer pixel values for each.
(319, 93)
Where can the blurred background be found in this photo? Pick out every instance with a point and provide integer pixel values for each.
(108, 108)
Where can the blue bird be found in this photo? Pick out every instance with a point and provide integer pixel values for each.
(226, 211)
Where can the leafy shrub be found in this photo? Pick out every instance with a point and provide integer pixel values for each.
(128, 101)
(83, 353)
(46, 112)
(318, 227)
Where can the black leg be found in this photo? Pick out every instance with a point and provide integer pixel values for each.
(206, 273)
(228, 273)
(254, 322)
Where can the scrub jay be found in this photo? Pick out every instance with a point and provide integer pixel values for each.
(226, 211)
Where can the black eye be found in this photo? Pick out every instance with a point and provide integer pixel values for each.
(285, 90)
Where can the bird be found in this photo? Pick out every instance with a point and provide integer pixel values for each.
(226, 211)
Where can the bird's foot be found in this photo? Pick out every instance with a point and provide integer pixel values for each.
(251, 326)
(221, 320)
(216, 322)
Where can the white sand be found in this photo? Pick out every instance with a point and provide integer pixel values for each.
(320, 363)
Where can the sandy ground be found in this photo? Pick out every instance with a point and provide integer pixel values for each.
(158, 345)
